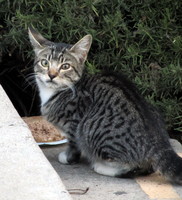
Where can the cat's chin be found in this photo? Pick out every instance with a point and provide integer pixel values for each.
(55, 86)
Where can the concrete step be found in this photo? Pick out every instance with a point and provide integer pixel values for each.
(25, 173)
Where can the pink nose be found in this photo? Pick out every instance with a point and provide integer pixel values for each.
(52, 75)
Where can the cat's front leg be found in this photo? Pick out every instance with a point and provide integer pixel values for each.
(71, 155)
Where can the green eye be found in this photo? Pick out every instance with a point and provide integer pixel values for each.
(65, 66)
(44, 63)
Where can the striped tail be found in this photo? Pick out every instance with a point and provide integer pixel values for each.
(169, 164)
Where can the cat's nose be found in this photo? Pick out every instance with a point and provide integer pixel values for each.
(52, 75)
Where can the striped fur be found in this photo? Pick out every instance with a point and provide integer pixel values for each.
(103, 116)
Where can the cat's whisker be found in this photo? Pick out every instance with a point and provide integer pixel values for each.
(32, 84)
(72, 89)
(30, 81)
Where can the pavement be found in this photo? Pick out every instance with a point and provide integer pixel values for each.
(79, 177)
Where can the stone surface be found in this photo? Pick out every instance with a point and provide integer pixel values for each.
(25, 173)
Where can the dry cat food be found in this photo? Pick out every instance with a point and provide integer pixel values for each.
(42, 130)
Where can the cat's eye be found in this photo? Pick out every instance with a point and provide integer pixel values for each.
(45, 63)
(65, 66)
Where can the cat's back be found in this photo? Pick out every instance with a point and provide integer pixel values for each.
(116, 90)
(117, 100)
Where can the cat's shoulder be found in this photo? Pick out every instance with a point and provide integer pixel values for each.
(118, 79)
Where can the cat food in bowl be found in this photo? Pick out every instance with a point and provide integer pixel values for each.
(44, 132)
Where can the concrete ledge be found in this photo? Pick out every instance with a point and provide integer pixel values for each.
(25, 173)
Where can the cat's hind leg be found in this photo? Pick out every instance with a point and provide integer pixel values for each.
(111, 168)
(70, 156)
(120, 170)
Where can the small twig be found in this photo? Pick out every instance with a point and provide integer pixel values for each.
(78, 191)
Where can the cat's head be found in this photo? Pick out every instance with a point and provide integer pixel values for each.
(58, 65)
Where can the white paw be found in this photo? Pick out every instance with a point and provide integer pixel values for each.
(62, 157)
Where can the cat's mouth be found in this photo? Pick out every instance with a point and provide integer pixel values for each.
(48, 82)
(51, 82)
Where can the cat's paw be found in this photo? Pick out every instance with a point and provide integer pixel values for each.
(62, 157)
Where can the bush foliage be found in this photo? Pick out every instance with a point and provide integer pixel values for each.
(139, 38)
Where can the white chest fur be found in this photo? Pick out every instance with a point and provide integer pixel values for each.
(45, 92)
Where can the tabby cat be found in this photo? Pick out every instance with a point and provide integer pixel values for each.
(103, 116)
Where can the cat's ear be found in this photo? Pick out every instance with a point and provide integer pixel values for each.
(81, 48)
(37, 40)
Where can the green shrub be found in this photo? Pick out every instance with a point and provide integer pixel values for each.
(140, 38)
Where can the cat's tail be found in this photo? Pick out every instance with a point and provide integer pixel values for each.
(169, 164)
